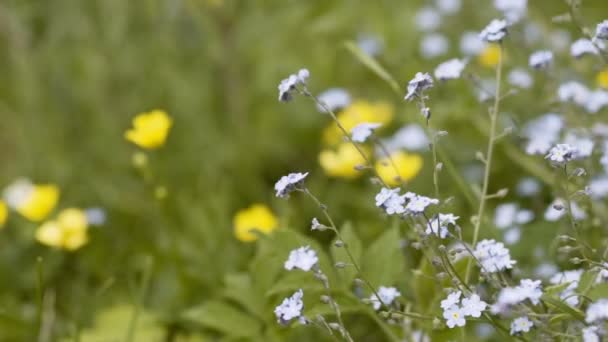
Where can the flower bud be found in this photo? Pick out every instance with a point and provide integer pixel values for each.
(340, 264)
(339, 243)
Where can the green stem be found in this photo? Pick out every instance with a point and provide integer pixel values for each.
(143, 289)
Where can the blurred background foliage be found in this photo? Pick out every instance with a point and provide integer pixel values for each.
(74, 73)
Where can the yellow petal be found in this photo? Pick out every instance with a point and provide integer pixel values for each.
(602, 79)
(3, 214)
(50, 234)
(72, 219)
(407, 165)
(342, 162)
(258, 218)
(358, 112)
(150, 130)
(489, 56)
(40, 202)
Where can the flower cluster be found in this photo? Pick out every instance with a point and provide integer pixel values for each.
(493, 256)
(408, 204)
(289, 84)
(456, 310)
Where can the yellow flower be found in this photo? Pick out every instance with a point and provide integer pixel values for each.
(408, 165)
(342, 161)
(602, 79)
(36, 201)
(358, 112)
(257, 218)
(489, 56)
(68, 231)
(3, 214)
(150, 129)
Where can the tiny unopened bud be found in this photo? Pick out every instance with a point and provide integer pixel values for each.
(325, 299)
(455, 282)
(436, 323)
(502, 192)
(436, 262)
(565, 249)
(416, 245)
(358, 282)
(442, 133)
(579, 172)
(442, 275)
(426, 112)
(339, 243)
(322, 277)
(566, 238)
(139, 160)
(439, 166)
(340, 264)
(576, 260)
(479, 156)
(160, 192)
(366, 301)
(456, 250)
(335, 326)
(441, 248)
(385, 314)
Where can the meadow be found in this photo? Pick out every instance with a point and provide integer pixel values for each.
(144, 142)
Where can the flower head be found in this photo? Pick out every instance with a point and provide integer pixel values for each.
(572, 278)
(150, 129)
(439, 224)
(591, 334)
(454, 317)
(289, 183)
(601, 30)
(417, 204)
(520, 78)
(68, 231)
(452, 299)
(451, 69)
(291, 308)
(521, 324)
(418, 85)
(343, 161)
(473, 306)
(583, 47)
(495, 31)
(33, 201)
(303, 258)
(493, 256)
(362, 131)
(258, 218)
(288, 85)
(407, 166)
(562, 153)
(541, 59)
(387, 296)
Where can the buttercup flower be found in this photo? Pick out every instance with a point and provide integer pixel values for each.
(449, 70)
(343, 161)
(303, 258)
(291, 308)
(408, 166)
(541, 59)
(358, 112)
(34, 201)
(418, 85)
(387, 296)
(602, 79)
(495, 31)
(521, 324)
(3, 213)
(257, 219)
(289, 183)
(362, 131)
(150, 130)
(68, 231)
(490, 55)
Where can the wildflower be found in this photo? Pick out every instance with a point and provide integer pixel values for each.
(250, 222)
(521, 324)
(512, 235)
(417, 204)
(557, 209)
(453, 299)
(448, 6)
(495, 32)
(599, 187)
(574, 92)
(528, 187)
(601, 30)
(602, 274)
(33, 201)
(439, 224)
(527, 289)
(562, 153)
(583, 47)
(473, 306)
(398, 167)
(602, 79)
(571, 277)
(410, 137)
(451, 69)
(509, 214)
(493, 256)
(362, 131)
(289, 183)
(334, 99)
(343, 161)
(3, 213)
(427, 19)
(591, 334)
(418, 85)
(597, 312)
(370, 44)
(520, 78)
(513, 10)
(490, 55)
(288, 85)
(434, 45)
(315, 225)
(541, 59)
(387, 296)
(69, 231)
(150, 129)
(597, 100)
(471, 44)
(454, 316)
(95, 216)
(356, 113)
(291, 308)
(581, 143)
(384, 195)
(303, 258)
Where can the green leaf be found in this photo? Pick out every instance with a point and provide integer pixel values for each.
(238, 287)
(383, 262)
(352, 241)
(599, 291)
(555, 290)
(112, 325)
(373, 65)
(294, 280)
(587, 281)
(226, 319)
(563, 307)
